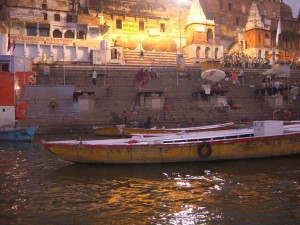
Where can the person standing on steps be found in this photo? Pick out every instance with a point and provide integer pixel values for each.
(94, 76)
(53, 105)
(142, 54)
(234, 77)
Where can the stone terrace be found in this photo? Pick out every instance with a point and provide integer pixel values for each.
(95, 108)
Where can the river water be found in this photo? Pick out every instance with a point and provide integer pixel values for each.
(38, 188)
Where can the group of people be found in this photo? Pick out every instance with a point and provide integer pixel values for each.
(282, 114)
(241, 60)
(271, 86)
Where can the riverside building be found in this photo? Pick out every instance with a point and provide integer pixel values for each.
(99, 31)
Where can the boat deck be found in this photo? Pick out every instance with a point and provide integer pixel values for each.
(184, 137)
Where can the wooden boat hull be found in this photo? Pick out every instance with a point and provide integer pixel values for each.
(109, 131)
(143, 131)
(241, 148)
(18, 134)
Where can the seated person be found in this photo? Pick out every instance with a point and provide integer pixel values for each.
(32, 79)
(244, 118)
(233, 105)
(225, 104)
(220, 88)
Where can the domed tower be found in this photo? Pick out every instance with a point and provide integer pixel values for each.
(257, 35)
(286, 11)
(202, 35)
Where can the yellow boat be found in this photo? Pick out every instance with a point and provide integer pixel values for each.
(128, 131)
(109, 130)
(265, 139)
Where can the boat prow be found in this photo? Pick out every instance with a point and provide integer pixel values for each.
(18, 134)
(113, 131)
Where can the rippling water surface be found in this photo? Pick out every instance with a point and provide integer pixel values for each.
(38, 188)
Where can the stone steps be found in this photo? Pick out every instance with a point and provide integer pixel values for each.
(153, 58)
(99, 109)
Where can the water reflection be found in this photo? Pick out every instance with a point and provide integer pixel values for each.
(38, 188)
(17, 145)
(176, 193)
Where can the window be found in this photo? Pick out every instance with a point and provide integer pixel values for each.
(210, 16)
(81, 35)
(45, 16)
(237, 21)
(162, 27)
(222, 19)
(44, 31)
(56, 17)
(243, 9)
(69, 18)
(229, 6)
(119, 24)
(267, 40)
(221, 4)
(141, 25)
(31, 30)
(44, 5)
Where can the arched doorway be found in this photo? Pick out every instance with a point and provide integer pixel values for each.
(69, 34)
(57, 33)
(210, 36)
(216, 53)
(207, 51)
(198, 49)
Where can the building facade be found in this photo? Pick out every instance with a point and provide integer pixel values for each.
(57, 31)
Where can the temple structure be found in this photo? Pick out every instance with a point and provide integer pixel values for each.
(202, 35)
(257, 35)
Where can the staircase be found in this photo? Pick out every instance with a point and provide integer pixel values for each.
(99, 109)
(152, 58)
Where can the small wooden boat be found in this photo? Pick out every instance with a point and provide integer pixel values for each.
(17, 134)
(143, 131)
(109, 130)
(265, 139)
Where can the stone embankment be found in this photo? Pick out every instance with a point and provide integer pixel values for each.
(96, 107)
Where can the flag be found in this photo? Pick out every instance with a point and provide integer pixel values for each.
(278, 32)
(8, 43)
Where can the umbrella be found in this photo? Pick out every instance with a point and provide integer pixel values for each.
(272, 71)
(278, 70)
(213, 75)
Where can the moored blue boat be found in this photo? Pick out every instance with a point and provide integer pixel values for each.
(17, 134)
